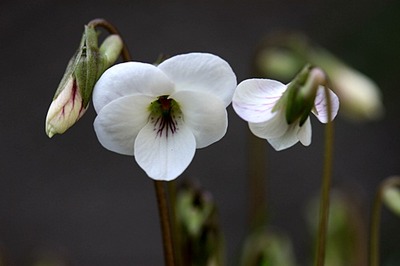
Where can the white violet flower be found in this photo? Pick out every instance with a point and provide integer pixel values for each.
(162, 114)
(261, 103)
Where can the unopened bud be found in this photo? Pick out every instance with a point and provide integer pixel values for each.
(391, 194)
(263, 247)
(66, 108)
(200, 237)
(111, 49)
(74, 92)
(360, 97)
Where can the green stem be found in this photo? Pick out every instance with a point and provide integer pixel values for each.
(99, 22)
(326, 184)
(163, 211)
(376, 219)
(374, 230)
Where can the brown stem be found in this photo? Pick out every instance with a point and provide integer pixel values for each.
(165, 223)
(175, 229)
(100, 22)
(257, 181)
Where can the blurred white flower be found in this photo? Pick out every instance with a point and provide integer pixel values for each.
(161, 114)
(360, 97)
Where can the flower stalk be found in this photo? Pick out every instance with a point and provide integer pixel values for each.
(326, 184)
(164, 215)
(100, 22)
(257, 181)
(386, 185)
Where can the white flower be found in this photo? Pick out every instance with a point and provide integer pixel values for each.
(254, 101)
(161, 114)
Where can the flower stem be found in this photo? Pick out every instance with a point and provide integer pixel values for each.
(165, 223)
(257, 181)
(376, 219)
(175, 229)
(326, 184)
(126, 56)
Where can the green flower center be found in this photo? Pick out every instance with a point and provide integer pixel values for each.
(165, 115)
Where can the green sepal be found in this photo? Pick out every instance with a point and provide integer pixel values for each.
(68, 73)
(85, 66)
(90, 64)
(295, 107)
(299, 97)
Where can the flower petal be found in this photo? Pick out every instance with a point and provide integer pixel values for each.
(119, 122)
(254, 99)
(127, 79)
(201, 72)
(275, 127)
(164, 157)
(204, 114)
(305, 132)
(287, 140)
(293, 134)
(321, 111)
(66, 109)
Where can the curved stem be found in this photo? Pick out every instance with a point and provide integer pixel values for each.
(376, 219)
(165, 223)
(99, 22)
(326, 184)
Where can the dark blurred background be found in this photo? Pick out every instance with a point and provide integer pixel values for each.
(69, 197)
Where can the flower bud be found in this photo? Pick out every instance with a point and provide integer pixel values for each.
(391, 194)
(360, 97)
(346, 243)
(265, 247)
(111, 49)
(281, 56)
(391, 198)
(74, 92)
(200, 236)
